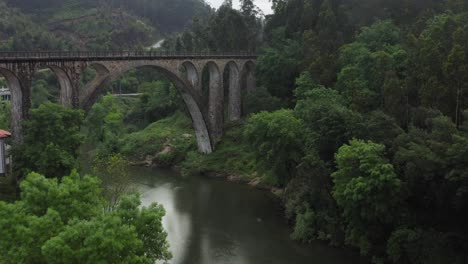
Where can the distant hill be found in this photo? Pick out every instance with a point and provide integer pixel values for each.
(92, 24)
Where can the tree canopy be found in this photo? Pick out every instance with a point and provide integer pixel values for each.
(65, 223)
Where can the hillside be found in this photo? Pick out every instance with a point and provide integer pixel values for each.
(92, 25)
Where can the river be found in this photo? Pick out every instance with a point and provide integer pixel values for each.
(214, 221)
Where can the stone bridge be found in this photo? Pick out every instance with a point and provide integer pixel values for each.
(184, 70)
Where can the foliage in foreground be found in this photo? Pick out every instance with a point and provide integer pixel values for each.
(51, 141)
(65, 222)
(115, 177)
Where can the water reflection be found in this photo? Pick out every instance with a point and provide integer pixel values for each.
(211, 221)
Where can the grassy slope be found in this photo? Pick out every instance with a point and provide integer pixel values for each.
(171, 142)
(165, 142)
(231, 156)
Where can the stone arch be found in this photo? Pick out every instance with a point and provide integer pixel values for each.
(183, 87)
(248, 82)
(91, 90)
(65, 85)
(18, 109)
(191, 74)
(215, 101)
(46, 72)
(234, 91)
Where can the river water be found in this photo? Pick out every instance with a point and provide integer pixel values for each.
(214, 221)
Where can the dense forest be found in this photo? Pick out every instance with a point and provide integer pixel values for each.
(371, 140)
(360, 115)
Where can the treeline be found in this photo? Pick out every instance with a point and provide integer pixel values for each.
(226, 30)
(165, 15)
(372, 154)
(416, 51)
(19, 32)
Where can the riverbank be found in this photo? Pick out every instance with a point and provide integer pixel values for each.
(175, 148)
(252, 181)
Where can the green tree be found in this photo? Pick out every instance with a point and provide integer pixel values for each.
(65, 223)
(228, 31)
(328, 121)
(456, 69)
(309, 202)
(321, 45)
(373, 71)
(441, 64)
(367, 189)
(115, 177)
(160, 99)
(51, 141)
(105, 123)
(380, 128)
(431, 163)
(277, 140)
(41, 93)
(260, 100)
(278, 67)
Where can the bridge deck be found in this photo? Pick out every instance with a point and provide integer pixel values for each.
(117, 55)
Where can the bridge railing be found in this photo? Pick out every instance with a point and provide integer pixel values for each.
(117, 54)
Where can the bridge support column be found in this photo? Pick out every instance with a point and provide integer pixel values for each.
(65, 85)
(199, 124)
(74, 74)
(251, 82)
(20, 85)
(235, 105)
(69, 80)
(216, 104)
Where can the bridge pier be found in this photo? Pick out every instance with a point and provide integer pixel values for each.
(201, 130)
(17, 103)
(72, 77)
(251, 83)
(65, 85)
(21, 98)
(234, 104)
(215, 103)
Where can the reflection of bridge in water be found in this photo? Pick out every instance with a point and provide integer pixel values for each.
(205, 104)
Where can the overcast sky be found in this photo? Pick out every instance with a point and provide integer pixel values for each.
(265, 5)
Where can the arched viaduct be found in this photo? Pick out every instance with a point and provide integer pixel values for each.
(185, 71)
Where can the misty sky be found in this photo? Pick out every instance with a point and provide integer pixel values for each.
(265, 5)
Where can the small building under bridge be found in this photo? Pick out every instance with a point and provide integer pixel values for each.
(5, 94)
(4, 161)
